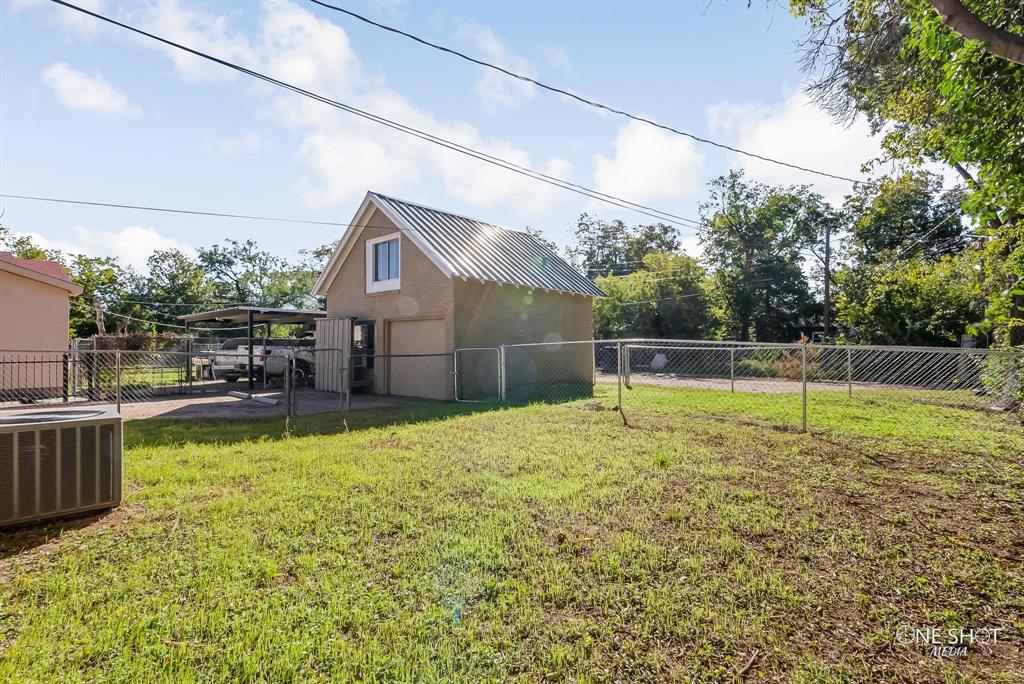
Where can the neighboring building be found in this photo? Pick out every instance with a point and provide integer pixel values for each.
(34, 313)
(423, 281)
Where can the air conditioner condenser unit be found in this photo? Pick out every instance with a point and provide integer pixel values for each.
(56, 463)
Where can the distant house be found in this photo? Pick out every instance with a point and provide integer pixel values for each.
(415, 280)
(34, 316)
(34, 304)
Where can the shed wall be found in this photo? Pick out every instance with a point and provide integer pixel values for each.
(490, 315)
(425, 292)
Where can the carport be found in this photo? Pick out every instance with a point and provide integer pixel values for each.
(251, 316)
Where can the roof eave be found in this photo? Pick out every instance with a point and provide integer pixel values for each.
(71, 288)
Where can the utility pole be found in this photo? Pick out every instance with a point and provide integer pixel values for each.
(828, 280)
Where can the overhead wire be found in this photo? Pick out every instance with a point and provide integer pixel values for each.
(409, 130)
(193, 212)
(584, 100)
(86, 307)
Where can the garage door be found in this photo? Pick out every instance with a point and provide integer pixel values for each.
(423, 376)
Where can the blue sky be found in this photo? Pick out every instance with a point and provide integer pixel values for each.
(91, 112)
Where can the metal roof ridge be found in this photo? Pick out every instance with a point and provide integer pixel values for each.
(449, 213)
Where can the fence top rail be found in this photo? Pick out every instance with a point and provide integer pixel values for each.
(656, 342)
(715, 348)
(398, 356)
(554, 344)
(818, 345)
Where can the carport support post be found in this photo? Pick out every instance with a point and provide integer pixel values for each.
(803, 380)
(249, 331)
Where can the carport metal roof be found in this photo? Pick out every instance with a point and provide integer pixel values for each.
(254, 314)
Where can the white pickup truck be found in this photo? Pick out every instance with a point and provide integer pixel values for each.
(231, 361)
(305, 364)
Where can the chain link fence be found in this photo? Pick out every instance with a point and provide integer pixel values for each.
(784, 384)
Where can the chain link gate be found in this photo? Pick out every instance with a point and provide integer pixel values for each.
(477, 372)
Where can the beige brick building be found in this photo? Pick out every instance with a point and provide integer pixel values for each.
(419, 281)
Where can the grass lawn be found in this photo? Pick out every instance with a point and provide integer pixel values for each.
(549, 542)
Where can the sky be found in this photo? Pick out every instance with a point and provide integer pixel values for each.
(92, 112)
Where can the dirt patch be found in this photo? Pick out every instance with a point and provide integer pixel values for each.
(30, 543)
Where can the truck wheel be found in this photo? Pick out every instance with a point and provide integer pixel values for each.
(302, 376)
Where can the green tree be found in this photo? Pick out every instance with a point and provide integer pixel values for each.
(904, 217)
(604, 247)
(937, 96)
(23, 247)
(176, 285)
(920, 302)
(753, 236)
(242, 272)
(115, 288)
(667, 298)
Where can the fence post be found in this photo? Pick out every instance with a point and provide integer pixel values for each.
(627, 362)
(849, 372)
(803, 380)
(502, 378)
(117, 374)
(342, 368)
(732, 370)
(618, 364)
(65, 375)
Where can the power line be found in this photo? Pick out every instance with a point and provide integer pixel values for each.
(209, 213)
(194, 212)
(212, 302)
(409, 130)
(85, 307)
(580, 98)
(687, 296)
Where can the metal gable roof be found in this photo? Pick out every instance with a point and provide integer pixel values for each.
(485, 251)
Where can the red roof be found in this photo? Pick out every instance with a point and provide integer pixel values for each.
(50, 269)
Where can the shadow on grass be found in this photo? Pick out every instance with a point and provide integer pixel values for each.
(145, 433)
(21, 538)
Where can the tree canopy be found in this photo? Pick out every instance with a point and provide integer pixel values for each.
(936, 95)
(753, 237)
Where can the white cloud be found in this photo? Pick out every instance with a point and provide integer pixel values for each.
(73, 23)
(195, 28)
(87, 92)
(345, 155)
(248, 143)
(82, 25)
(649, 164)
(557, 58)
(797, 131)
(133, 245)
(495, 88)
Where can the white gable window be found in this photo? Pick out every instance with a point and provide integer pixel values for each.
(382, 263)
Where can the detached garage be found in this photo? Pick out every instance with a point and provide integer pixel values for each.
(418, 283)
